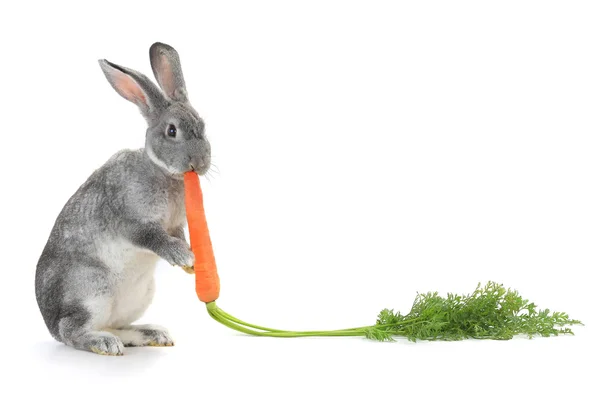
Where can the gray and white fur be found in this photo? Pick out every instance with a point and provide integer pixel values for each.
(95, 276)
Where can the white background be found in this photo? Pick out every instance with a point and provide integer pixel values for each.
(367, 151)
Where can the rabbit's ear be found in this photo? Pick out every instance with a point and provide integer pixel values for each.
(167, 70)
(135, 87)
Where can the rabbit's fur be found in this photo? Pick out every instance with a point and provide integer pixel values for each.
(95, 276)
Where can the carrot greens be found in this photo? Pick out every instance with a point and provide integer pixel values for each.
(490, 312)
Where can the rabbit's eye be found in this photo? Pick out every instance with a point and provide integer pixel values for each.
(172, 131)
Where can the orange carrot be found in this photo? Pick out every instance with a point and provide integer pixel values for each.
(205, 268)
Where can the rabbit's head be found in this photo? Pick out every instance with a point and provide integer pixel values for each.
(175, 138)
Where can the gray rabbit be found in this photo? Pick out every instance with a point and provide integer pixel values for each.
(95, 276)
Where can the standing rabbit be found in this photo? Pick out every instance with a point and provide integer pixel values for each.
(95, 276)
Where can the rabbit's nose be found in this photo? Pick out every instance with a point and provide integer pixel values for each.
(197, 165)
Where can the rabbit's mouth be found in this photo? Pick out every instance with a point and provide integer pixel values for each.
(200, 170)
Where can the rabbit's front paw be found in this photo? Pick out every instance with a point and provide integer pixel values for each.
(182, 255)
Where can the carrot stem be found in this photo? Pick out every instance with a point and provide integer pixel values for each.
(243, 329)
(238, 321)
(228, 320)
